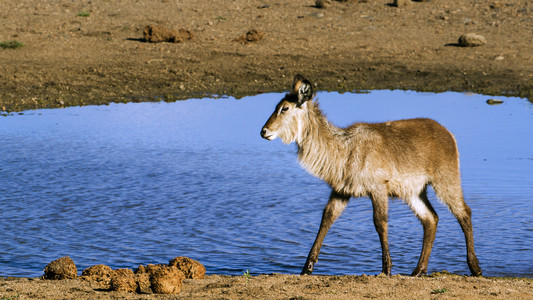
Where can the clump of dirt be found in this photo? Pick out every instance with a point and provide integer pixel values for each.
(124, 281)
(61, 268)
(159, 279)
(251, 36)
(99, 274)
(191, 268)
(158, 33)
(149, 279)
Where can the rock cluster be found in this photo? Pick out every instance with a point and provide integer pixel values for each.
(157, 279)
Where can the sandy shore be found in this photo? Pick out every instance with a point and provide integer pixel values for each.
(277, 286)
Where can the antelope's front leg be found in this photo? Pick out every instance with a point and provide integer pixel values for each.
(332, 211)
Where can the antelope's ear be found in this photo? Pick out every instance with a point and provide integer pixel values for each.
(298, 79)
(302, 88)
(305, 92)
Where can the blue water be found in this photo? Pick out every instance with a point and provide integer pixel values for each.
(130, 184)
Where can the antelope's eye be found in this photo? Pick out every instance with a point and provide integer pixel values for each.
(284, 108)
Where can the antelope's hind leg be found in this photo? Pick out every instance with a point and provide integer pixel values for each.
(452, 195)
(336, 205)
(428, 217)
(380, 204)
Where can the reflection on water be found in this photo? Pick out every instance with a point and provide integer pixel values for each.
(127, 184)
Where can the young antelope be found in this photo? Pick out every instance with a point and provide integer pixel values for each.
(382, 160)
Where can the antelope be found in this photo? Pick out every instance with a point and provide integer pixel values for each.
(378, 160)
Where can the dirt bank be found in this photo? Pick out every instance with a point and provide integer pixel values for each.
(289, 287)
(93, 52)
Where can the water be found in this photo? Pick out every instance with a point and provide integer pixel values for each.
(130, 184)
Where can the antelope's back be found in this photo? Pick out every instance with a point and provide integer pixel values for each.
(412, 144)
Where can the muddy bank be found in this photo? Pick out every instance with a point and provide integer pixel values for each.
(93, 52)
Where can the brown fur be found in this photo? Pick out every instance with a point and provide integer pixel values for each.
(397, 158)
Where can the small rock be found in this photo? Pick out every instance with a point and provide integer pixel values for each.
(471, 40)
(494, 101)
(499, 57)
(468, 21)
(61, 268)
(322, 3)
(191, 268)
(496, 5)
(401, 3)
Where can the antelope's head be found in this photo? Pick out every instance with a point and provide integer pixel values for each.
(286, 122)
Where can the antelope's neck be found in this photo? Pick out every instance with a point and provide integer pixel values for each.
(322, 148)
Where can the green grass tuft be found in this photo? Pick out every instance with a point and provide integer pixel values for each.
(10, 45)
(83, 13)
(247, 274)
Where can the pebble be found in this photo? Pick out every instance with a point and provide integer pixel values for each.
(471, 40)
(494, 101)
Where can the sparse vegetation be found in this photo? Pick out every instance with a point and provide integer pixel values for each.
(9, 297)
(247, 274)
(10, 45)
(439, 291)
(83, 13)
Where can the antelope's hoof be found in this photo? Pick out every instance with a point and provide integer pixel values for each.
(308, 269)
(473, 264)
(476, 272)
(418, 273)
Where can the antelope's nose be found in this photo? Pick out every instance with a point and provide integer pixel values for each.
(265, 133)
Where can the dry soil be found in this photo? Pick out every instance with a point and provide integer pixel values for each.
(93, 52)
